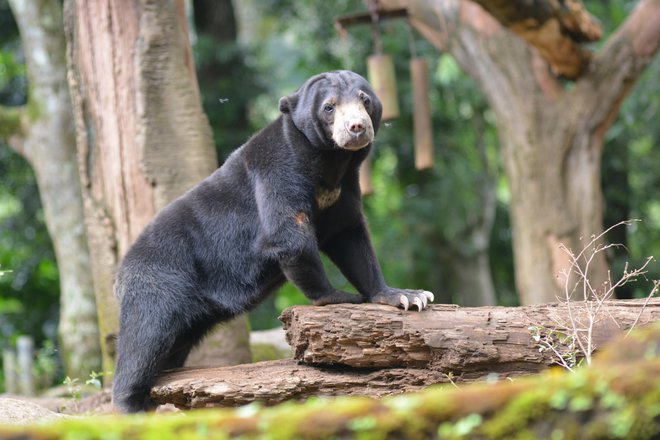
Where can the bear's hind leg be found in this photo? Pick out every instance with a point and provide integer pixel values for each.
(147, 348)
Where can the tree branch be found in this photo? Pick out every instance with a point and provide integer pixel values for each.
(618, 65)
(554, 28)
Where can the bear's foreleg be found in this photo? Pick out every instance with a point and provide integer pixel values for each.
(352, 253)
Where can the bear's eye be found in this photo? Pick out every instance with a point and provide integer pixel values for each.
(328, 108)
(365, 98)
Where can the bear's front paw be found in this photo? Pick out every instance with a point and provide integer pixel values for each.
(404, 298)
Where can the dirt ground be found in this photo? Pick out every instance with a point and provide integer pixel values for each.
(26, 410)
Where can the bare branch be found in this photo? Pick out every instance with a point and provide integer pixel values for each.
(654, 290)
(594, 302)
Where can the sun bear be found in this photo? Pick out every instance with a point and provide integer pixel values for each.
(262, 218)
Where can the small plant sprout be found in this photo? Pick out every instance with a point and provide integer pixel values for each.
(95, 380)
(73, 387)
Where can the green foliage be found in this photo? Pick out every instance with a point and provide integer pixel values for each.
(29, 287)
(75, 387)
(46, 365)
(29, 292)
(631, 183)
(9, 69)
(221, 65)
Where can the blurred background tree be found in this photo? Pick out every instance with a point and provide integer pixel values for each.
(427, 226)
(39, 127)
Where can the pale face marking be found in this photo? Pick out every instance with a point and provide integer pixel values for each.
(347, 114)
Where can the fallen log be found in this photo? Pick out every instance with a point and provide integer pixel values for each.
(448, 338)
(272, 382)
(374, 350)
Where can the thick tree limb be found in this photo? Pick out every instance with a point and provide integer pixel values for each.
(551, 135)
(574, 20)
(554, 28)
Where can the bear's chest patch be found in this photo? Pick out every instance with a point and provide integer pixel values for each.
(325, 197)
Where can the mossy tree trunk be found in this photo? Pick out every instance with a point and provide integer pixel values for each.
(142, 136)
(551, 136)
(43, 133)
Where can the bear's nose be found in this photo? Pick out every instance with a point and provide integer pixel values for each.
(355, 126)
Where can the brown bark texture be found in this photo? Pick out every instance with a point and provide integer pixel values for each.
(46, 139)
(551, 136)
(462, 341)
(273, 382)
(142, 136)
(375, 350)
(556, 29)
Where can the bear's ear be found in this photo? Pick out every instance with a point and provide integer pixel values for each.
(288, 103)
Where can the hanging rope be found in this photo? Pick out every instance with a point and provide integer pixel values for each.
(375, 27)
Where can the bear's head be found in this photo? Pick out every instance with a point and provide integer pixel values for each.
(335, 110)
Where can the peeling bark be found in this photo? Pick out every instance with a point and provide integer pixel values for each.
(556, 29)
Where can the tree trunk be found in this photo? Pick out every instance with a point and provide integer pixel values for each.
(471, 281)
(142, 136)
(551, 137)
(48, 143)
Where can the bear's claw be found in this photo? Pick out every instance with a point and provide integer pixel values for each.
(404, 302)
(404, 298)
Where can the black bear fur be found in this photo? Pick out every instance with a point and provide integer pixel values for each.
(260, 219)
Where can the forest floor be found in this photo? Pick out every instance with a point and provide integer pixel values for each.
(25, 410)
